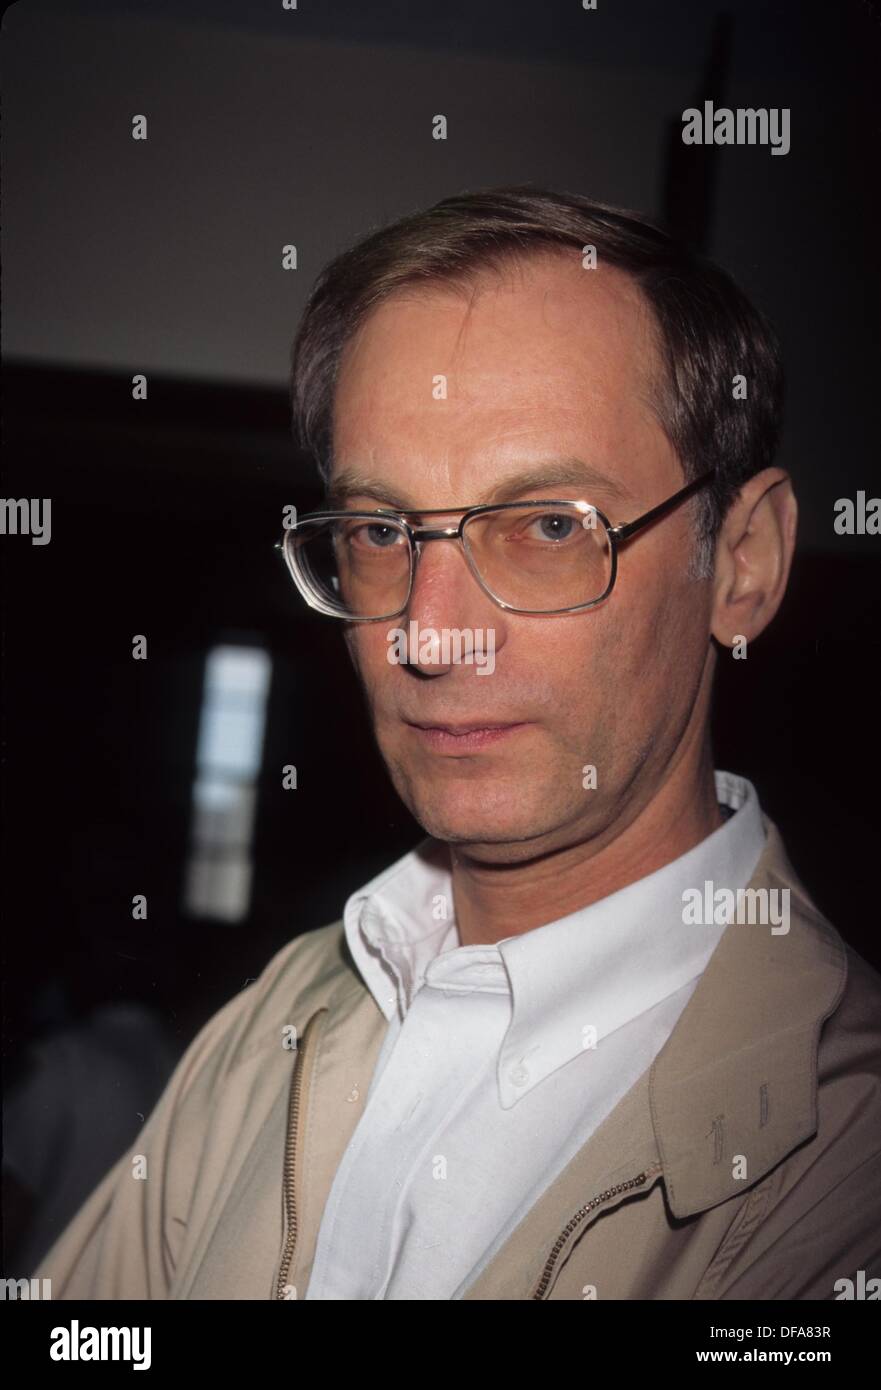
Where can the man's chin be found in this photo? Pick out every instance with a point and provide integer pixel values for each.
(503, 835)
(482, 808)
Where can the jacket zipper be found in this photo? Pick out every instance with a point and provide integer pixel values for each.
(290, 1158)
(543, 1285)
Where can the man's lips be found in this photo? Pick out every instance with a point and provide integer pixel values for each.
(464, 737)
(468, 728)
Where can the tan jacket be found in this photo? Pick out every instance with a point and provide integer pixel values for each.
(242, 1147)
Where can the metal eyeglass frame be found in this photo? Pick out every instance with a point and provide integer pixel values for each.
(417, 535)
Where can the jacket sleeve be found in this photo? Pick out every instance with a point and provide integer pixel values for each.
(124, 1241)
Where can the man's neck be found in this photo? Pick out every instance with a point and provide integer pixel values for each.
(495, 901)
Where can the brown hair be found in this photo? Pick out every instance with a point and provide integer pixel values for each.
(709, 330)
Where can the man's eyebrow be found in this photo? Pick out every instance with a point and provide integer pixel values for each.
(349, 484)
(539, 481)
(565, 472)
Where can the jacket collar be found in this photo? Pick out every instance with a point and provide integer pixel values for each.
(738, 1074)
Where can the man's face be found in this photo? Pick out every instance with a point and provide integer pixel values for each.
(545, 363)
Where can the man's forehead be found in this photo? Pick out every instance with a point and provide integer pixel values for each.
(427, 385)
(547, 308)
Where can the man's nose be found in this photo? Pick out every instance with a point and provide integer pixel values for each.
(447, 595)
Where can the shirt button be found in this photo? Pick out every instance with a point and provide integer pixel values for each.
(518, 1076)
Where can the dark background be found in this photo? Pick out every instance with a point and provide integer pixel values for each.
(166, 260)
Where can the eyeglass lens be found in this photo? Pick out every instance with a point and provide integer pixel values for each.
(533, 556)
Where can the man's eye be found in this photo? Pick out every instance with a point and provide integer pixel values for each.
(373, 535)
(550, 526)
(538, 527)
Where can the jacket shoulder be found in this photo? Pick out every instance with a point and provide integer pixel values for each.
(849, 1057)
(849, 1044)
(860, 1009)
(300, 978)
(295, 982)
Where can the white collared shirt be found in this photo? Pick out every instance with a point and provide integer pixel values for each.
(501, 1061)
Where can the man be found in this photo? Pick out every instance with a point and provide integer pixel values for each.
(590, 1039)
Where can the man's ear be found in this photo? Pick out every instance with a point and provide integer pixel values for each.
(753, 556)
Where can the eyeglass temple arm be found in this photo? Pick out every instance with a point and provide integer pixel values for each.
(629, 528)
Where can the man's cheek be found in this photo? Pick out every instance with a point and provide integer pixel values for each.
(369, 657)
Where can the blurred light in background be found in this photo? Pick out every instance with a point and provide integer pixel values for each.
(228, 757)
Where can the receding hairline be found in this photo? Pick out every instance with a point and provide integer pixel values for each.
(505, 263)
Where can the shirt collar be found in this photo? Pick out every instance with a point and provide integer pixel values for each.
(572, 981)
(400, 921)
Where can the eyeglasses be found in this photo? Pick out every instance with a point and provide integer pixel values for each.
(533, 557)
